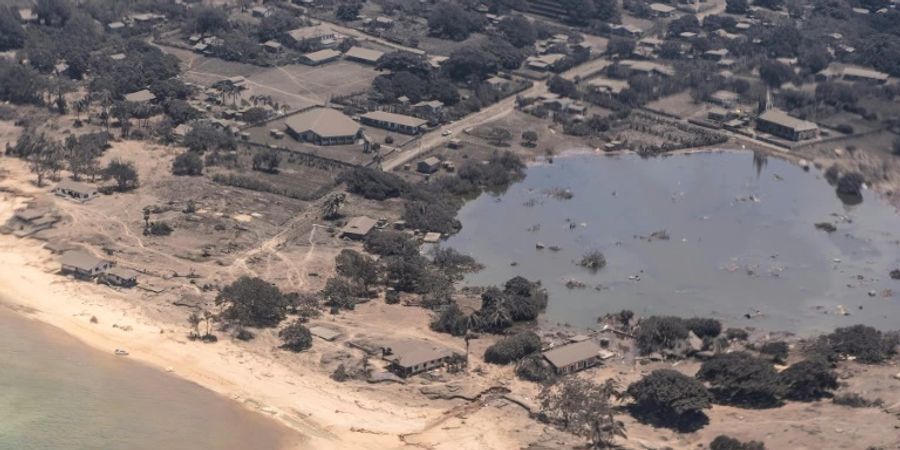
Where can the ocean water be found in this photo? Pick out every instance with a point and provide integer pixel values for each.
(741, 242)
(56, 393)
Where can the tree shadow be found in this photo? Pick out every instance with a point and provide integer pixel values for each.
(683, 423)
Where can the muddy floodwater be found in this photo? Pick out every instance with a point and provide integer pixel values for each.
(56, 393)
(741, 247)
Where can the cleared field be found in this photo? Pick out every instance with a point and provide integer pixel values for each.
(295, 85)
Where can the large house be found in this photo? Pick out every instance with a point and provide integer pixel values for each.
(323, 126)
(394, 122)
(83, 264)
(780, 124)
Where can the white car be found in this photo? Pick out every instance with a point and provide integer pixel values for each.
(446, 133)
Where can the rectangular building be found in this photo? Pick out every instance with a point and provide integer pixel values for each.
(780, 124)
(570, 358)
(394, 122)
(83, 264)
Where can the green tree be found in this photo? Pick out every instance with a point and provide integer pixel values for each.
(529, 137)
(12, 36)
(252, 302)
(737, 6)
(267, 161)
(187, 163)
(124, 174)
(658, 333)
(358, 267)
(807, 380)
(512, 348)
(669, 398)
(741, 379)
(296, 337)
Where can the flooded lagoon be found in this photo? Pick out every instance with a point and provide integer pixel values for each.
(56, 393)
(741, 241)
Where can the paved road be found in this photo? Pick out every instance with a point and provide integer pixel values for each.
(347, 31)
(493, 112)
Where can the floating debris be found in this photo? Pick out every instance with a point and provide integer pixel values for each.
(826, 227)
(539, 246)
(575, 284)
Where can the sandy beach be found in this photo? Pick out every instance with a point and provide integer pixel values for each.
(304, 404)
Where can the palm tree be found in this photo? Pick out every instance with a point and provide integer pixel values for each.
(207, 316)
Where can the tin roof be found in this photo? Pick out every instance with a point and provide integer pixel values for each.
(568, 354)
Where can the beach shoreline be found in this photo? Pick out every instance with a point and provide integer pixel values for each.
(105, 319)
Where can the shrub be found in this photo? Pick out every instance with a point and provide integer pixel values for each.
(513, 348)
(704, 327)
(187, 163)
(864, 343)
(778, 350)
(659, 333)
(296, 337)
(740, 379)
(736, 334)
(723, 442)
(391, 243)
(535, 368)
(854, 400)
(159, 229)
(669, 398)
(807, 381)
(850, 184)
(526, 299)
(373, 184)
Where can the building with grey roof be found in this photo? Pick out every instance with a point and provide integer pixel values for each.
(363, 55)
(142, 96)
(778, 123)
(323, 126)
(575, 356)
(408, 358)
(74, 190)
(83, 264)
(358, 228)
(320, 57)
(394, 122)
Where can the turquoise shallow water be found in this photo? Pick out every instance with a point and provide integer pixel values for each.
(56, 393)
(741, 242)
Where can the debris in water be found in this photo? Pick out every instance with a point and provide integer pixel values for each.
(842, 311)
(560, 193)
(575, 284)
(554, 248)
(826, 227)
(895, 274)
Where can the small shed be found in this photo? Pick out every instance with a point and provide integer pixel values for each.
(118, 276)
(83, 264)
(570, 358)
(429, 165)
(358, 228)
(325, 333)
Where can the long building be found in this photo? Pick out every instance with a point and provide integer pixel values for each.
(394, 122)
(780, 124)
